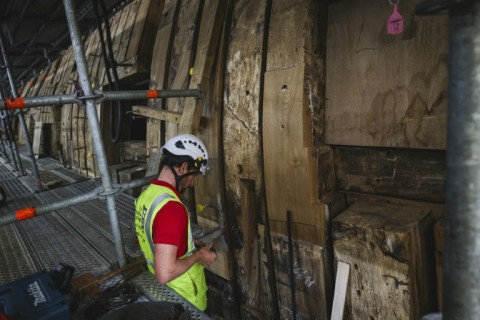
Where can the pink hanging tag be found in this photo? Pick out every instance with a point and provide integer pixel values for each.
(395, 22)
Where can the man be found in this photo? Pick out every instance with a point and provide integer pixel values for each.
(163, 225)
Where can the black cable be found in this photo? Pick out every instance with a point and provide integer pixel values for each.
(109, 64)
(291, 263)
(113, 67)
(432, 7)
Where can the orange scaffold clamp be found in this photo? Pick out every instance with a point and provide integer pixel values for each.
(152, 94)
(25, 213)
(14, 103)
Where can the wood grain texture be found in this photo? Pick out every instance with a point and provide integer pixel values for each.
(288, 151)
(390, 252)
(411, 174)
(148, 18)
(159, 75)
(242, 148)
(207, 47)
(309, 275)
(384, 90)
(182, 54)
(157, 114)
(292, 143)
(209, 54)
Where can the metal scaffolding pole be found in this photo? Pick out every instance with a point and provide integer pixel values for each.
(4, 148)
(99, 193)
(97, 96)
(21, 118)
(462, 238)
(93, 122)
(11, 141)
(5, 118)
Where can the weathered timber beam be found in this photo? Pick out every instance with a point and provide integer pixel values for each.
(165, 115)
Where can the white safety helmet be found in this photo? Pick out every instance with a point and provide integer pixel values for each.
(188, 145)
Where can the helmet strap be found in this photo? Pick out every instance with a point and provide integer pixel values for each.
(178, 178)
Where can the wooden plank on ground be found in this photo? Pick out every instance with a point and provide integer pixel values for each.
(390, 251)
(384, 90)
(341, 284)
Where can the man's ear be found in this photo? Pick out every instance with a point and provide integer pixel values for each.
(183, 167)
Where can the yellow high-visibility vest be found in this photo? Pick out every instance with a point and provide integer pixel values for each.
(191, 285)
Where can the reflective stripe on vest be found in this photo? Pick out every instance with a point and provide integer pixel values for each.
(148, 221)
(191, 285)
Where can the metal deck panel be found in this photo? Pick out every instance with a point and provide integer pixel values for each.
(6, 174)
(15, 188)
(85, 229)
(68, 175)
(51, 241)
(156, 292)
(26, 164)
(15, 261)
(48, 162)
(93, 225)
(79, 236)
(96, 214)
(49, 177)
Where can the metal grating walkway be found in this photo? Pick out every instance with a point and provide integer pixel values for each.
(79, 236)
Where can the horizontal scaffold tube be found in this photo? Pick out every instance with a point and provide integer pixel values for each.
(59, 100)
(98, 193)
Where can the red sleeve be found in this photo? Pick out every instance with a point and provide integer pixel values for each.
(171, 225)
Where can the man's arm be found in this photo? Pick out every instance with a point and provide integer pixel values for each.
(168, 267)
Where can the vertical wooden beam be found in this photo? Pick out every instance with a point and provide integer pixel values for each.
(212, 20)
(147, 22)
(181, 57)
(159, 80)
(292, 135)
(243, 158)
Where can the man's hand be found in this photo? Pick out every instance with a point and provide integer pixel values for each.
(206, 255)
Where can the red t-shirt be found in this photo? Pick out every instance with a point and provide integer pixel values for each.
(171, 223)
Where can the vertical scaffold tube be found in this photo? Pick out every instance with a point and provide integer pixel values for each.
(462, 238)
(4, 130)
(93, 122)
(21, 118)
(11, 140)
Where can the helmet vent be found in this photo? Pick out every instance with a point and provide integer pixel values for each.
(179, 144)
